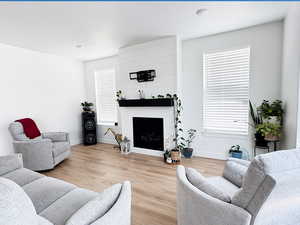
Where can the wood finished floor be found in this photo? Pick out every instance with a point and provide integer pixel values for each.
(154, 182)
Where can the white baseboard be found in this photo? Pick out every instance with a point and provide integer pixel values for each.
(106, 140)
(211, 155)
(148, 152)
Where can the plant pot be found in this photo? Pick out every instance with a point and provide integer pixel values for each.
(237, 155)
(271, 138)
(175, 155)
(187, 152)
(260, 140)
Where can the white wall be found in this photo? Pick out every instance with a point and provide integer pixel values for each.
(160, 55)
(265, 78)
(290, 77)
(90, 68)
(44, 87)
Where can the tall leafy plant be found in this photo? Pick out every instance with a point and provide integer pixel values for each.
(178, 124)
(255, 116)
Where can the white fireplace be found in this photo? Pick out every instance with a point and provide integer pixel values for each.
(166, 113)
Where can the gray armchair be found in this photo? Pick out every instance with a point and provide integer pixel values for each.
(269, 193)
(41, 153)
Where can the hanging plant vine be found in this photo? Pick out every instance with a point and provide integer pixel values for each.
(178, 124)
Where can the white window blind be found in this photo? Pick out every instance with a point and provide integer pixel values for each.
(106, 96)
(226, 90)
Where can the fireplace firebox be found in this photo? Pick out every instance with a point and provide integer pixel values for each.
(148, 133)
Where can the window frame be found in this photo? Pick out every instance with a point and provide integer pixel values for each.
(218, 132)
(96, 73)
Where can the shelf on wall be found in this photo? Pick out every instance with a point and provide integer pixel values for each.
(155, 102)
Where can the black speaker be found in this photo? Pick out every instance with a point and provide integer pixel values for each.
(89, 128)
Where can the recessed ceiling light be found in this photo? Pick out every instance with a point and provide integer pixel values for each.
(200, 11)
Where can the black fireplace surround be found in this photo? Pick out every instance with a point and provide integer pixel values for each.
(148, 133)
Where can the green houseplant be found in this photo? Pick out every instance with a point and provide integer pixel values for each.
(270, 131)
(257, 121)
(87, 106)
(271, 111)
(185, 143)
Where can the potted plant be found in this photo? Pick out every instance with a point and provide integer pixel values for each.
(119, 95)
(235, 152)
(175, 153)
(270, 131)
(185, 143)
(271, 112)
(257, 120)
(167, 156)
(87, 106)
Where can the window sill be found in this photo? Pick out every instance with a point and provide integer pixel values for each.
(224, 135)
(112, 124)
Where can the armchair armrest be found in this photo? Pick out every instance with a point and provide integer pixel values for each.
(195, 207)
(9, 163)
(37, 154)
(56, 136)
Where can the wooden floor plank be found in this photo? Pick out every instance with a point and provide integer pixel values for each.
(154, 182)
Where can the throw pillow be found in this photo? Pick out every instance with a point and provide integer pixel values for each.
(30, 128)
(200, 182)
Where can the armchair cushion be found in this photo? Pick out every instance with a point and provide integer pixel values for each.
(235, 171)
(96, 207)
(224, 185)
(200, 182)
(23, 176)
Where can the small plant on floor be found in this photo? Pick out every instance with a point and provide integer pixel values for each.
(235, 151)
(185, 143)
(87, 106)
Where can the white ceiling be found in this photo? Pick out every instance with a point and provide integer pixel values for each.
(103, 27)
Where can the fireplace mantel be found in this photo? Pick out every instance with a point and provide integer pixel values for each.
(154, 102)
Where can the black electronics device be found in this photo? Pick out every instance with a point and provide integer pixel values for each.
(89, 128)
(143, 76)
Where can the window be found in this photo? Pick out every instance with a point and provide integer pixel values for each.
(105, 97)
(226, 90)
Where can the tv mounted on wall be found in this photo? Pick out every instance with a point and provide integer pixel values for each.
(143, 76)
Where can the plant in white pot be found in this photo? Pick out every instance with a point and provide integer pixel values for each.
(271, 112)
(185, 143)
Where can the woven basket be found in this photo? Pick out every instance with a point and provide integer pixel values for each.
(175, 155)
